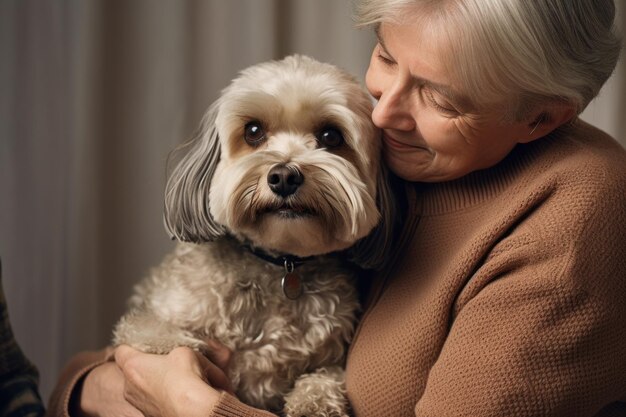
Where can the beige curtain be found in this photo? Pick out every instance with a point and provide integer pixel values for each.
(93, 95)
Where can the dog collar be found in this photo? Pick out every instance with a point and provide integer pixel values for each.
(278, 260)
(291, 282)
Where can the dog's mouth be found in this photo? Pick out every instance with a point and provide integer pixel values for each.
(288, 210)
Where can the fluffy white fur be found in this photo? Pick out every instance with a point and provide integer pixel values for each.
(287, 354)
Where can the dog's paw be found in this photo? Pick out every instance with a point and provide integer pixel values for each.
(165, 345)
(189, 340)
(320, 394)
(147, 333)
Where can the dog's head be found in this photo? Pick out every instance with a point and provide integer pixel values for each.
(287, 159)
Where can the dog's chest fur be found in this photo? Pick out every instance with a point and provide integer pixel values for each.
(222, 291)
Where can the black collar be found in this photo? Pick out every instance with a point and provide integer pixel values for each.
(281, 260)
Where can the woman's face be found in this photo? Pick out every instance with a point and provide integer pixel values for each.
(432, 132)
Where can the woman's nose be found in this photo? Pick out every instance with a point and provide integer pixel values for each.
(393, 110)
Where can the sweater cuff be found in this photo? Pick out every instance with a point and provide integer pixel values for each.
(229, 406)
(71, 380)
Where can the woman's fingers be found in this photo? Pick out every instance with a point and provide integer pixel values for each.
(122, 354)
(214, 374)
(182, 357)
(155, 384)
(219, 354)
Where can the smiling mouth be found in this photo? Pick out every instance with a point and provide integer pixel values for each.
(396, 145)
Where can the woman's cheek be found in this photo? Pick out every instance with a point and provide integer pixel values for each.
(437, 132)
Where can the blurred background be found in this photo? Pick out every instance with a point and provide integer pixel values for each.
(93, 96)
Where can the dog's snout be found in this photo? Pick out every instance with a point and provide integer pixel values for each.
(284, 180)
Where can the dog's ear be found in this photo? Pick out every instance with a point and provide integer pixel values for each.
(374, 250)
(187, 216)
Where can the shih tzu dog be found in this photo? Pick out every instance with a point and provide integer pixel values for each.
(277, 203)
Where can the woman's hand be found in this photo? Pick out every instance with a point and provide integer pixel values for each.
(101, 394)
(181, 383)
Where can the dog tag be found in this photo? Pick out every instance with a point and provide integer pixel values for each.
(292, 285)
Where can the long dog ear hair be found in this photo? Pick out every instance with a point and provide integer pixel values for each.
(374, 251)
(186, 214)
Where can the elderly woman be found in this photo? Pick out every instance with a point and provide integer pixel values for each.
(507, 296)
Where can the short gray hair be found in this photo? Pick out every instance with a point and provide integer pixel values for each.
(519, 52)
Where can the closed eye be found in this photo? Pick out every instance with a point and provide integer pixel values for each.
(383, 57)
(433, 101)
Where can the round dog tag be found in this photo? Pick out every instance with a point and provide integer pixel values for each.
(292, 285)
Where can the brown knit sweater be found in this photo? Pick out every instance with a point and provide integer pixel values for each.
(509, 298)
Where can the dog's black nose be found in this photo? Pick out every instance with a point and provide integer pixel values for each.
(284, 180)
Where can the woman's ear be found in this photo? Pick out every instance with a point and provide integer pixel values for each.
(547, 119)
(187, 215)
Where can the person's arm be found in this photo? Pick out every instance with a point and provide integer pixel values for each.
(545, 337)
(87, 379)
(159, 385)
(19, 395)
(182, 383)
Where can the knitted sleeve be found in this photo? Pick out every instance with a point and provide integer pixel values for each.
(229, 406)
(541, 330)
(70, 380)
(532, 353)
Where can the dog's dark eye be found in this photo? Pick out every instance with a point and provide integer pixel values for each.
(329, 137)
(254, 133)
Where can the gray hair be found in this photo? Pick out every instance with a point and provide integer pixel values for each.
(519, 52)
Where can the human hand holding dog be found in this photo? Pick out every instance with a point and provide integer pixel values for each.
(101, 394)
(181, 383)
